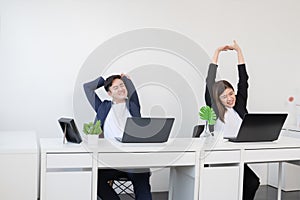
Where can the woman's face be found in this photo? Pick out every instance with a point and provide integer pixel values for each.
(227, 98)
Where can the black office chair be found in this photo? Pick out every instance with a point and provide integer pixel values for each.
(198, 129)
(123, 186)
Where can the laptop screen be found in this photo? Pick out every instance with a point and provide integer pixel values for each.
(260, 127)
(147, 130)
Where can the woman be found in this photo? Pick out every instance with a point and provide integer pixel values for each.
(231, 108)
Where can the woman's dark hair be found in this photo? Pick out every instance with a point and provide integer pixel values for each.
(109, 80)
(218, 88)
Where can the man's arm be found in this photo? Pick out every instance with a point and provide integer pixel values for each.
(89, 89)
(132, 94)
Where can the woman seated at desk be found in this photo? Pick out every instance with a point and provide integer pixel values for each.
(230, 108)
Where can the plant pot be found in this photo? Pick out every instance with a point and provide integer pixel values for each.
(208, 131)
(92, 139)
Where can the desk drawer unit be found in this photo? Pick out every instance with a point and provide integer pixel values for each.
(219, 183)
(272, 155)
(221, 157)
(155, 159)
(69, 160)
(222, 166)
(69, 185)
(68, 176)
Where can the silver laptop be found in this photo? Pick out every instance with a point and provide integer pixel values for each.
(146, 130)
(260, 127)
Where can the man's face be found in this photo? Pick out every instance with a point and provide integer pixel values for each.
(118, 91)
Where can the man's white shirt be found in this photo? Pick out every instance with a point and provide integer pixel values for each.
(115, 121)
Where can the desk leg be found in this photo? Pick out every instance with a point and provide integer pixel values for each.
(241, 176)
(241, 180)
(172, 180)
(182, 183)
(94, 176)
(197, 176)
(43, 171)
(201, 175)
(279, 181)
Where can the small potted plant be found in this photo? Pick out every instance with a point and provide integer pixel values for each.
(208, 114)
(92, 131)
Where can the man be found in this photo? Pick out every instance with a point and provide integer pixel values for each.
(113, 114)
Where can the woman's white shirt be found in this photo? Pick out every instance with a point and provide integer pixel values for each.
(232, 124)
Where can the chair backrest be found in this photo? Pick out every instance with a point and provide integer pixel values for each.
(123, 186)
(198, 129)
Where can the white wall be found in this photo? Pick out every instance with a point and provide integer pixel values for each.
(44, 43)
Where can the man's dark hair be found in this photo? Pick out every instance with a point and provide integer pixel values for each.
(109, 80)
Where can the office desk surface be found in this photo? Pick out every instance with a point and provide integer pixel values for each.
(217, 150)
(178, 144)
(284, 141)
(181, 154)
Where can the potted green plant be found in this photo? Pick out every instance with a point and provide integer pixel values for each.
(208, 114)
(92, 131)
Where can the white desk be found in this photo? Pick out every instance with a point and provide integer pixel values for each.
(290, 171)
(19, 165)
(75, 167)
(232, 156)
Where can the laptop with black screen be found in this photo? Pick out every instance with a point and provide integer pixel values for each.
(260, 127)
(146, 130)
